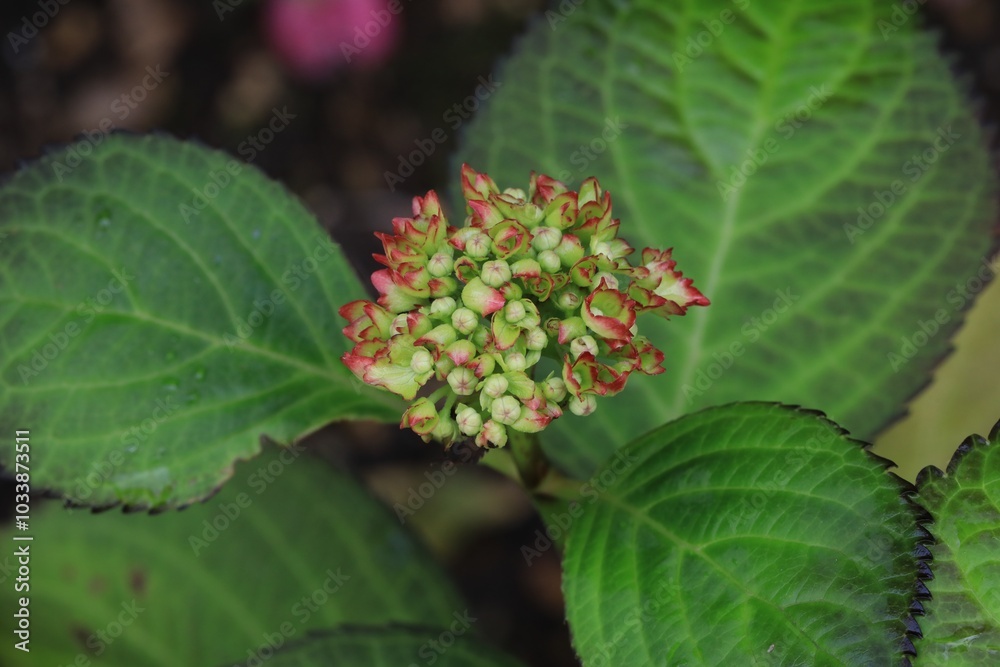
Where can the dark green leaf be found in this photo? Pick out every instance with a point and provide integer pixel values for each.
(154, 324)
(827, 105)
(288, 546)
(750, 534)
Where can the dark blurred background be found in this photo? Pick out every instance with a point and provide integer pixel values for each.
(225, 66)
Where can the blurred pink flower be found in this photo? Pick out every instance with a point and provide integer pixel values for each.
(314, 38)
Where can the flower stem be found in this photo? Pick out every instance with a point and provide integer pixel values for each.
(532, 464)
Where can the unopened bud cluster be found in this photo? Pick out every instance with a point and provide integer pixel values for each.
(475, 308)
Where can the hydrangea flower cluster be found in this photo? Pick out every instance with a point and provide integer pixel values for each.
(474, 309)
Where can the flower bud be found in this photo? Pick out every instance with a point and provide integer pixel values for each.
(469, 421)
(481, 336)
(422, 362)
(481, 298)
(440, 265)
(516, 361)
(570, 250)
(549, 261)
(445, 432)
(569, 300)
(421, 417)
(546, 238)
(464, 320)
(554, 389)
(583, 344)
(610, 280)
(582, 406)
(536, 339)
(495, 386)
(461, 351)
(442, 308)
(462, 381)
(478, 246)
(495, 273)
(506, 410)
(483, 365)
(514, 312)
(492, 434)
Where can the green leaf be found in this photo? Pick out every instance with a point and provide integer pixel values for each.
(750, 534)
(288, 546)
(962, 623)
(141, 334)
(828, 108)
(392, 647)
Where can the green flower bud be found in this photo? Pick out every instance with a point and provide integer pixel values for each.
(570, 250)
(610, 279)
(478, 246)
(461, 351)
(480, 336)
(554, 389)
(506, 410)
(481, 298)
(569, 300)
(496, 272)
(442, 308)
(516, 361)
(583, 406)
(536, 339)
(517, 194)
(546, 238)
(462, 381)
(495, 386)
(445, 432)
(492, 433)
(422, 361)
(514, 312)
(549, 261)
(583, 344)
(465, 321)
(440, 265)
(469, 421)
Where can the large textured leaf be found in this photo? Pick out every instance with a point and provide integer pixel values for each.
(749, 534)
(161, 308)
(826, 105)
(288, 546)
(393, 647)
(962, 624)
